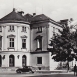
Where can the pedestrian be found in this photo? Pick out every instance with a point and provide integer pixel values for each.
(75, 70)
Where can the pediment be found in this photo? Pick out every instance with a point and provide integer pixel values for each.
(38, 37)
(11, 35)
(24, 36)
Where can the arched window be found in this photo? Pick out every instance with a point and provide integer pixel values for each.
(0, 61)
(24, 60)
(11, 61)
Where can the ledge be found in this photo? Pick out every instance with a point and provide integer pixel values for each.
(23, 48)
(24, 31)
(10, 48)
(11, 30)
(39, 32)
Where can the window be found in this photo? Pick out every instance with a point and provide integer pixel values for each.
(53, 31)
(0, 43)
(0, 60)
(0, 28)
(23, 43)
(23, 29)
(11, 43)
(11, 28)
(39, 43)
(39, 29)
(39, 60)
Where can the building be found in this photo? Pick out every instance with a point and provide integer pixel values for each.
(24, 40)
(15, 40)
(42, 30)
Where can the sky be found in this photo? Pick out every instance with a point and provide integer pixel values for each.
(55, 9)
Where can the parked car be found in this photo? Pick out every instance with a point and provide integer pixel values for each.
(24, 69)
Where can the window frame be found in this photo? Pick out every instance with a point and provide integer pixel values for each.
(11, 28)
(0, 28)
(54, 31)
(0, 42)
(39, 43)
(39, 29)
(39, 60)
(23, 42)
(24, 29)
(11, 42)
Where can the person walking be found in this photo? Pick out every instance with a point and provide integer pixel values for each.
(75, 70)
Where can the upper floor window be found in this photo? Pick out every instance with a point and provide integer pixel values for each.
(39, 43)
(23, 28)
(39, 29)
(0, 28)
(11, 28)
(11, 42)
(39, 60)
(0, 42)
(54, 30)
(23, 43)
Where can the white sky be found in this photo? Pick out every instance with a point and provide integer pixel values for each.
(55, 9)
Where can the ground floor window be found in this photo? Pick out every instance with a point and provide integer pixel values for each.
(39, 60)
(11, 61)
(23, 60)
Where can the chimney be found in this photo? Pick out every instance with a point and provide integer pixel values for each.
(34, 14)
(21, 12)
(14, 9)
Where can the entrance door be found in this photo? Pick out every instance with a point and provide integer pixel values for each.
(11, 61)
(23, 60)
(0, 61)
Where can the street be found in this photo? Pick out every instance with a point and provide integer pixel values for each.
(37, 75)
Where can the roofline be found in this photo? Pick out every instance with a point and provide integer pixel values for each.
(13, 52)
(9, 21)
(39, 52)
(47, 20)
(54, 22)
(39, 21)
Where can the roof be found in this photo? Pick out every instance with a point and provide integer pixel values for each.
(43, 18)
(40, 17)
(28, 17)
(13, 16)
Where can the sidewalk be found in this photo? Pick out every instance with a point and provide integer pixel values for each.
(37, 72)
(13, 71)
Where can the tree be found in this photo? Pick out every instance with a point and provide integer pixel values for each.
(64, 45)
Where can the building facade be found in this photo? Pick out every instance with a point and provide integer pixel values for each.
(15, 40)
(42, 30)
(24, 40)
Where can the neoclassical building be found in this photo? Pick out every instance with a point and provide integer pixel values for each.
(25, 39)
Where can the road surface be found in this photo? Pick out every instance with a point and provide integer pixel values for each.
(37, 75)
